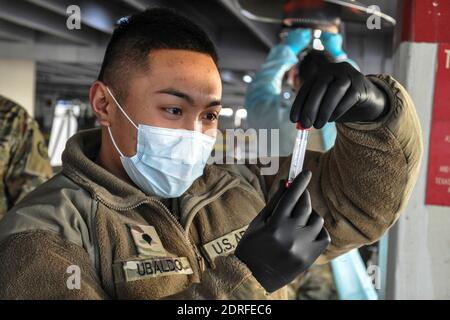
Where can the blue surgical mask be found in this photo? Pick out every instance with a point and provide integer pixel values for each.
(167, 161)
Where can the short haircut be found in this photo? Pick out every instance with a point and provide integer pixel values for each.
(137, 35)
(310, 63)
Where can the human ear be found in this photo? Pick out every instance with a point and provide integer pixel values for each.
(100, 102)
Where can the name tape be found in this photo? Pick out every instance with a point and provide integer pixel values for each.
(224, 245)
(151, 268)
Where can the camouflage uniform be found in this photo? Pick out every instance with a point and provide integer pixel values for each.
(24, 162)
(318, 284)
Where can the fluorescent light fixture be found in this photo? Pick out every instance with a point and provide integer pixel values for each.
(241, 113)
(317, 45)
(226, 112)
(317, 33)
(247, 78)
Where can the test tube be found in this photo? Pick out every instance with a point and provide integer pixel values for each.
(298, 155)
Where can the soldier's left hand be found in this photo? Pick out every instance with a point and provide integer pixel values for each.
(338, 93)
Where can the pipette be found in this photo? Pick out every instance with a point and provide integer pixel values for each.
(298, 155)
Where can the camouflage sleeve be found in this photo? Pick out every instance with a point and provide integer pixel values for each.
(29, 165)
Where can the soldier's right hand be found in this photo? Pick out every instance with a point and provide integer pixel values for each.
(285, 238)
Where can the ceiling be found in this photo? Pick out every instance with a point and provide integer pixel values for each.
(69, 60)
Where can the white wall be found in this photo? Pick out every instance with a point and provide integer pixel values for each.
(419, 245)
(18, 81)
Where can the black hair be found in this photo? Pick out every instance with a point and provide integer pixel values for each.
(137, 35)
(310, 63)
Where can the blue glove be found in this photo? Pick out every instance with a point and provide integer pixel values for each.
(298, 39)
(333, 44)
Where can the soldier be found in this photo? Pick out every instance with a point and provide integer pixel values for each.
(137, 214)
(24, 162)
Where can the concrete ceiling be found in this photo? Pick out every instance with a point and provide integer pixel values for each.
(68, 60)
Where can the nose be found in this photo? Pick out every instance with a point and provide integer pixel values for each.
(193, 124)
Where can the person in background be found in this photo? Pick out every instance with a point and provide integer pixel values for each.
(24, 162)
(333, 43)
(291, 59)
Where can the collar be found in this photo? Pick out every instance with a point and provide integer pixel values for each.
(78, 164)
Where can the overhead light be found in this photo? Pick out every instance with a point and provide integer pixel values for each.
(247, 78)
(227, 76)
(317, 33)
(226, 112)
(317, 45)
(241, 113)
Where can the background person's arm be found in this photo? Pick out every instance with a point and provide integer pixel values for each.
(29, 162)
(263, 96)
(333, 44)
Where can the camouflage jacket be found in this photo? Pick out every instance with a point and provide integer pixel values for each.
(24, 162)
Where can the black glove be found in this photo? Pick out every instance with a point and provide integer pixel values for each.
(285, 238)
(338, 93)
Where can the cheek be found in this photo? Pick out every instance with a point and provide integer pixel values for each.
(211, 130)
(125, 135)
(153, 116)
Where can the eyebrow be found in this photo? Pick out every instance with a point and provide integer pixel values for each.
(185, 96)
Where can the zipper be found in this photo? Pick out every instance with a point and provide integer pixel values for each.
(122, 208)
(200, 260)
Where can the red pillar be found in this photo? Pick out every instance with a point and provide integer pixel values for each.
(425, 21)
(428, 21)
